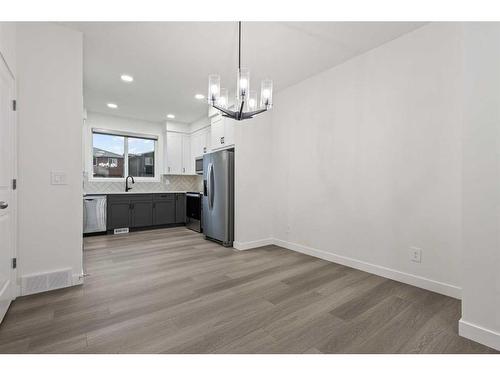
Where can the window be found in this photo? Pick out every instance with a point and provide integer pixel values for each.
(141, 154)
(119, 155)
(108, 152)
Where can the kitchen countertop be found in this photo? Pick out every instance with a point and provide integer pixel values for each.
(135, 192)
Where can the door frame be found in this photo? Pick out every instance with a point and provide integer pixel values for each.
(16, 288)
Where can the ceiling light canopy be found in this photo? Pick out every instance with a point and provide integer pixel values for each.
(112, 105)
(199, 96)
(246, 105)
(170, 115)
(127, 78)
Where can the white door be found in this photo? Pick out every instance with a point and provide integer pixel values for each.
(7, 197)
(174, 153)
(186, 155)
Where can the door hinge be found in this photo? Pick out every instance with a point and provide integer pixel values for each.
(14, 262)
(14, 184)
(14, 105)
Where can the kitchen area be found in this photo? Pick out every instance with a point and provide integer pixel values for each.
(141, 175)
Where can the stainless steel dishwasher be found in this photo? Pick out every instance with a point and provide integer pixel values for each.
(94, 213)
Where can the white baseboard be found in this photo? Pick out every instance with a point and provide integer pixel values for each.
(252, 244)
(407, 278)
(479, 334)
(4, 306)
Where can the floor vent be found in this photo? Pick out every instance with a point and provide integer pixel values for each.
(46, 281)
(120, 230)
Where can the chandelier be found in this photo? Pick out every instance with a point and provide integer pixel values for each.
(246, 100)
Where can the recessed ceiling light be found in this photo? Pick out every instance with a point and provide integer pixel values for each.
(127, 78)
(199, 96)
(170, 115)
(112, 105)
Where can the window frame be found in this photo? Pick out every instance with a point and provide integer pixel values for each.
(126, 136)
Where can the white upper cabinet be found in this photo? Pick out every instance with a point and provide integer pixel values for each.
(200, 142)
(187, 161)
(217, 133)
(173, 153)
(222, 132)
(229, 125)
(178, 154)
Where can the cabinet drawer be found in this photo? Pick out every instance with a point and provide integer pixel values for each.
(164, 197)
(141, 197)
(118, 198)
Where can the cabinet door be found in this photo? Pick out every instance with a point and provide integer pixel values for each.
(196, 145)
(205, 140)
(200, 142)
(118, 215)
(142, 214)
(180, 208)
(217, 134)
(187, 161)
(228, 131)
(174, 153)
(164, 212)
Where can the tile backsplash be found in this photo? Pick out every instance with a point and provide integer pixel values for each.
(167, 183)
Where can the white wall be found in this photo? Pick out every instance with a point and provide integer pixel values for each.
(367, 160)
(481, 185)
(49, 83)
(102, 121)
(253, 182)
(8, 44)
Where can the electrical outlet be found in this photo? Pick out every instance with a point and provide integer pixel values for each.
(416, 254)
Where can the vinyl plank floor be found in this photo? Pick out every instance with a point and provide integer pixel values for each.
(170, 291)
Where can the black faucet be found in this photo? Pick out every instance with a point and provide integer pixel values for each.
(126, 183)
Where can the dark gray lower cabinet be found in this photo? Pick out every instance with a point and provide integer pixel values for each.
(142, 214)
(180, 208)
(118, 215)
(145, 210)
(163, 209)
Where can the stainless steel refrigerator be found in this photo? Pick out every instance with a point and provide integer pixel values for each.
(218, 197)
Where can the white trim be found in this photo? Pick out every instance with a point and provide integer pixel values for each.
(127, 134)
(479, 334)
(204, 128)
(390, 273)
(78, 279)
(122, 179)
(252, 244)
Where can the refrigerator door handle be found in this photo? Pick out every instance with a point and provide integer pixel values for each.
(212, 179)
(209, 185)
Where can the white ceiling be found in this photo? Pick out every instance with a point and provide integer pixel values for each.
(170, 61)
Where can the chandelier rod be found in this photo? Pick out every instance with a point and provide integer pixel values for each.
(239, 45)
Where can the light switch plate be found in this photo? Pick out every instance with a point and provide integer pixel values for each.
(58, 178)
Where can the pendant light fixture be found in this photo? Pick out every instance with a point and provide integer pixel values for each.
(246, 105)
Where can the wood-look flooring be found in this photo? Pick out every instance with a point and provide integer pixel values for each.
(170, 291)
